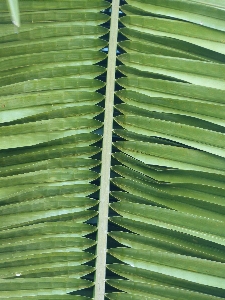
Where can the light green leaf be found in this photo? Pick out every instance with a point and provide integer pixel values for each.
(68, 227)
(35, 132)
(146, 276)
(192, 71)
(48, 297)
(206, 140)
(188, 268)
(65, 15)
(31, 287)
(34, 257)
(192, 11)
(204, 228)
(196, 34)
(65, 162)
(55, 83)
(171, 240)
(48, 203)
(49, 31)
(14, 11)
(212, 112)
(126, 296)
(78, 57)
(59, 43)
(53, 150)
(51, 70)
(175, 157)
(171, 175)
(61, 214)
(191, 202)
(170, 89)
(179, 46)
(153, 48)
(156, 291)
(47, 242)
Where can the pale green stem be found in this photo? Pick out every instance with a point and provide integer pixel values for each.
(106, 158)
(14, 12)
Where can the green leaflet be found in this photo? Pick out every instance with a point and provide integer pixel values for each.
(182, 48)
(55, 83)
(212, 112)
(206, 140)
(170, 89)
(139, 242)
(134, 110)
(65, 162)
(144, 276)
(26, 192)
(205, 228)
(88, 111)
(51, 70)
(205, 37)
(23, 135)
(69, 227)
(126, 296)
(192, 11)
(69, 96)
(89, 18)
(53, 150)
(153, 48)
(37, 231)
(60, 214)
(48, 242)
(198, 191)
(130, 71)
(69, 269)
(47, 297)
(192, 71)
(216, 3)
(187, 268)
(81, 57)
(171, 175)
(171, 240)
(198, 123)
(34, 257)
(171, 156)
(55, 175)
(131, 136)
(48, 203)
(193, 203)
(31, 287)
(68, 4)
(59, 43)
(49, 31)
(34, 106)
(133, 10)
(156, 292)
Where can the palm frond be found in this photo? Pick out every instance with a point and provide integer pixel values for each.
(48, 104)
(172, 167)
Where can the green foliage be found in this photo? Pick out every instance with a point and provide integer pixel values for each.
(171, 163)
(168, 194)
(48, 107)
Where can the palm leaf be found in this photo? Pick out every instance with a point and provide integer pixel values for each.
(164, 145)
(174, 222)
(48, 105)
